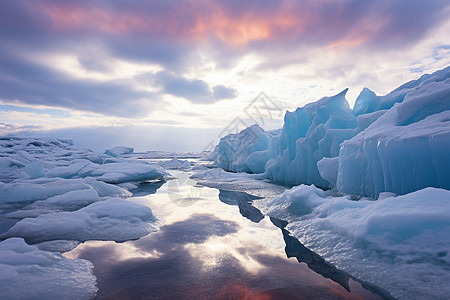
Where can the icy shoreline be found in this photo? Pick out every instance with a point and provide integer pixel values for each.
(54, 195)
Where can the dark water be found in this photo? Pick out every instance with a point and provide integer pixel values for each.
(214, 245)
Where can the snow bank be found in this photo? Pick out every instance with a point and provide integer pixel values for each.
(389, 242)
(29, 273)
(113, 219)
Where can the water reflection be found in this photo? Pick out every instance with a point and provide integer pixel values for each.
(207, 250)
(244, 202)
(147, 188)
(316, 263)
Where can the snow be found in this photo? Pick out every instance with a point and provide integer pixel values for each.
(55, 196)
(389, 242)
(114, 219)
(29, 273)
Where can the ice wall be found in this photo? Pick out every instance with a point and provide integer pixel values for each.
(396, 143)
(309, 134)
(405, 149)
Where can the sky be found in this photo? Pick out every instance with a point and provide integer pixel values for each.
(177, 75)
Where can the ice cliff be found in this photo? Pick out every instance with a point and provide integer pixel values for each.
(396, 143)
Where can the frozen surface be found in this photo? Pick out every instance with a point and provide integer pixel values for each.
(238, 182)
(113, 219)
(394, 242)
(29, 273)
(53, 192)
(176, 163)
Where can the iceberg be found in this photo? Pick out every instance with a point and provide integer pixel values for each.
(29, 273)
(245, 151)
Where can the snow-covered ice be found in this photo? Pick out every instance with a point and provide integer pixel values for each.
(29, 273)
(55, 196)
(391, 242)
(114, 219)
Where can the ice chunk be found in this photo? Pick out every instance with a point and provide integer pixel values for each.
(41, 189)
(69, 171)
(58, 246)
(236, 152)
(328, 168)
(29, 273)
(119, 151)
(35, 170)
(390, 242)
(123, 172)
(175, 163)
(113, 219)
(238, 182)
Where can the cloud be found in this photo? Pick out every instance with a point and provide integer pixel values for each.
(30, 83)
(181, 37)
(223, 92)
(194, 90)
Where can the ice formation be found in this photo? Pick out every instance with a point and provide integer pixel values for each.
(389, 242)
(119, 151)
(245, 151)
(55, 196)
(114, 219)
(396, 143)
(29, 273)
(405, 149)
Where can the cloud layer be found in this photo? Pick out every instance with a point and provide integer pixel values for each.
(138, 59)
